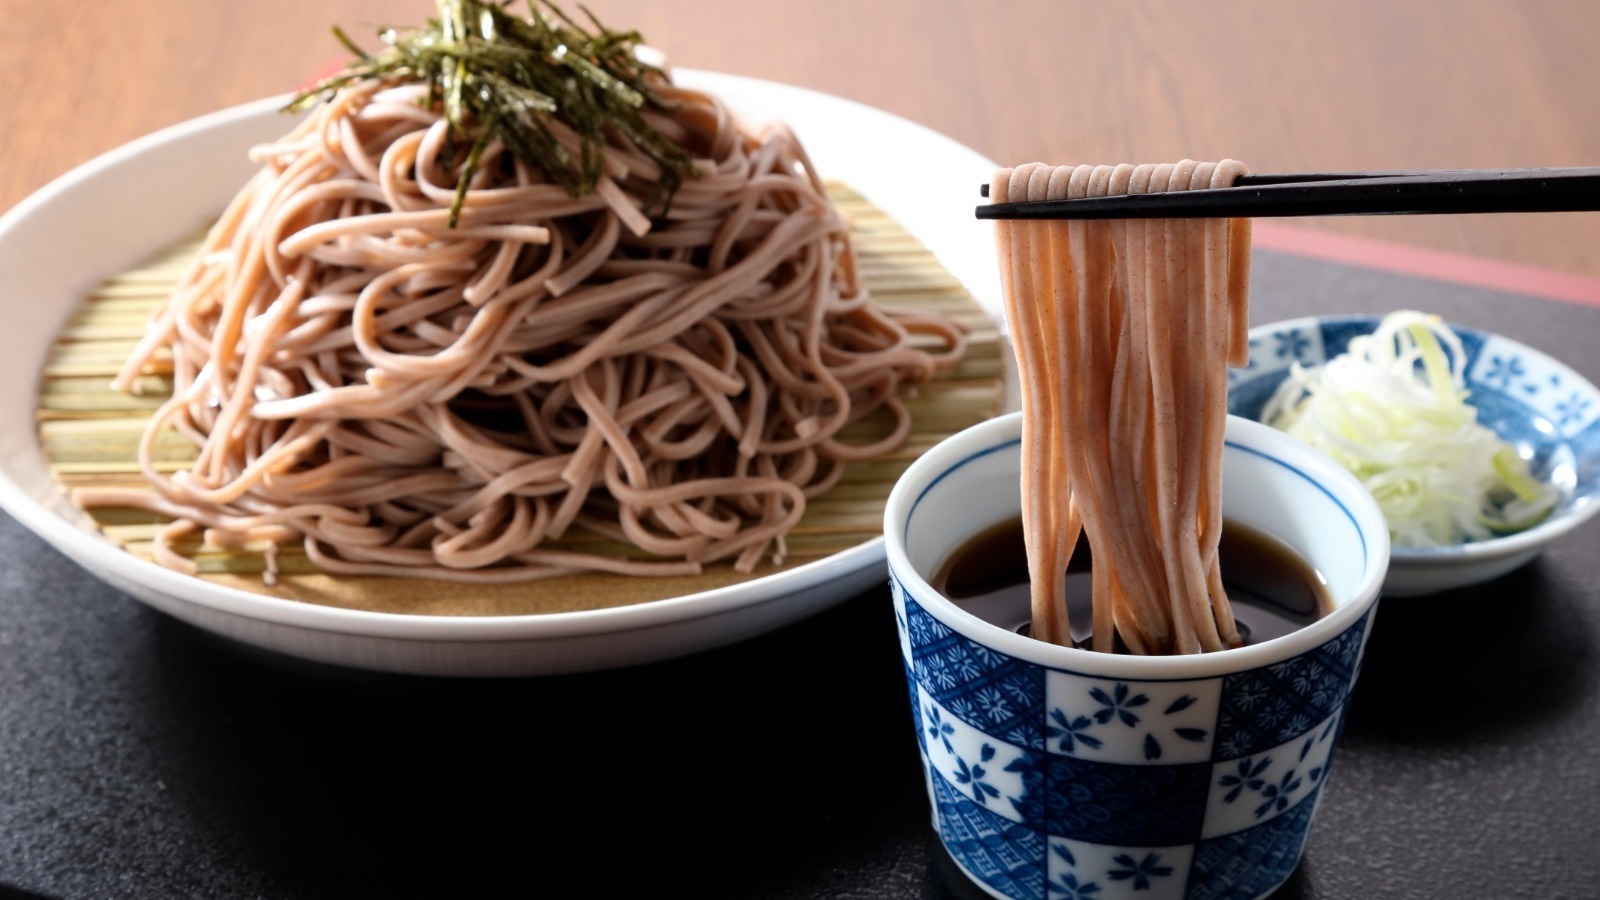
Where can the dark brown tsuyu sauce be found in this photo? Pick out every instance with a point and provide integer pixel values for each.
(1272, 589)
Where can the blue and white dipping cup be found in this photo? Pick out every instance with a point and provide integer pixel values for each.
(1055, 772)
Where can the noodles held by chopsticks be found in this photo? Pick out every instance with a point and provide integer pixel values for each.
(408, 397)
(1124, 330)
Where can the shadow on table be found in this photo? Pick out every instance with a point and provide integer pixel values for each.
(1475, 662)
(782, 767)
(779, 767)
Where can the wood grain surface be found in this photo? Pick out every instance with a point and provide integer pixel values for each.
(1284, 86)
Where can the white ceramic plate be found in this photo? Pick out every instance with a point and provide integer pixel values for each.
(114, 211)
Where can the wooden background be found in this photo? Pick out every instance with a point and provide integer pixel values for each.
(1283, 86)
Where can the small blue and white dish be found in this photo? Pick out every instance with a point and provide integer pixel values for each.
(1549, 413)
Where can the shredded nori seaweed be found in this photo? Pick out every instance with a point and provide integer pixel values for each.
(496, 75)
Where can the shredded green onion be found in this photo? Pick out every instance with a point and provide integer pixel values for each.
(1393, 410)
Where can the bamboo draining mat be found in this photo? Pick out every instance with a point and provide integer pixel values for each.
(89, 434)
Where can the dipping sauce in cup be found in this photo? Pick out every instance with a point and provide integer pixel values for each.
(1055, 771)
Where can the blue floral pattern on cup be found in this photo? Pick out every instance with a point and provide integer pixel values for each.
(1115, 721)
(983, 768)
(1078, 804)
(1060, 773)
(1089, 872)
(1268, 783)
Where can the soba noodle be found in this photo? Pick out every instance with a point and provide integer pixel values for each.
(408, 397)
(1124, 330)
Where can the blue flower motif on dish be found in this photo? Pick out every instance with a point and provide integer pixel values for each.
(984, 769)
(1545, 385)
(1131, 722)
(1573, 409)
(1252, 789)
(1547, 411)
(1299, 341)
(1292, 345)
(1504, 370)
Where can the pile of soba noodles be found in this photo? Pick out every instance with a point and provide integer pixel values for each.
(1124, 331)
(504, 283)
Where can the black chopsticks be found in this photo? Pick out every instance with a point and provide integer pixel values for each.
(1422, 192)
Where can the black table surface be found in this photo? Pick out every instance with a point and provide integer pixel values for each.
(142, 757)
